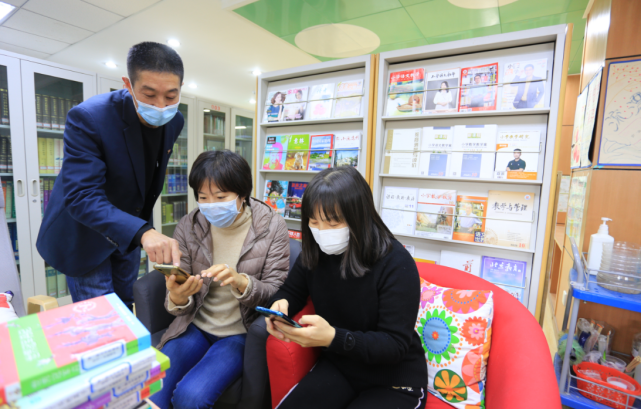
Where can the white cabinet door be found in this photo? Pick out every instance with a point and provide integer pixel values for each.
(48, 94)
(213, 127)
(13, 171)
(242, 134)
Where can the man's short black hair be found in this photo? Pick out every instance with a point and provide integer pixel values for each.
(229, 171)
(517, 150)
(154, 57)
(529, 65)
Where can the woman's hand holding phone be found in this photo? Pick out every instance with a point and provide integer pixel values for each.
(317, 331)
(282, 306)
(180, 293)
(227, 275)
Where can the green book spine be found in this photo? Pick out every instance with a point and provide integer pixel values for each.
(52, 284)
(3, 153)
(42, 155)
(170, 213)
(9, 155)
(164, 213)
(38, 110)
(54, 112)
(11, 201)
(46, 111)
(61, 279)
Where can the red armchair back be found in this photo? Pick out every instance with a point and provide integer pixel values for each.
(519, 371)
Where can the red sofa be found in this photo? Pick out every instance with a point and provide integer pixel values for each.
(520, 373)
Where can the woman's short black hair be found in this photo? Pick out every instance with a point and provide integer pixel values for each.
(229, 171)
(341, 194)
(154, 57)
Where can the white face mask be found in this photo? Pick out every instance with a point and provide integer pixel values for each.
(331, 241)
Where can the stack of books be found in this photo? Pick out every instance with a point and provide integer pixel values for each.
(91, 354)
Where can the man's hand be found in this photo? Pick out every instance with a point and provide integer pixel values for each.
(180, 293)
(160, 248)
(227, 275)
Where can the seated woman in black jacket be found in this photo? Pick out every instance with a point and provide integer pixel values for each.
(365, 290)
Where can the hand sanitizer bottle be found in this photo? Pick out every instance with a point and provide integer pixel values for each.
(597, 241)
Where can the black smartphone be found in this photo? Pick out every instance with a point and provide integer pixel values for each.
(169, 270)
(278, 316)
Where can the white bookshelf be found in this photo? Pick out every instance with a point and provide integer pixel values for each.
(548, 42)
(347, 69)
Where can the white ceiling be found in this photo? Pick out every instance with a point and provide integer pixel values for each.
(219, 48)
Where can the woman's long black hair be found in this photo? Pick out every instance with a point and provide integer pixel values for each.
(341, 194)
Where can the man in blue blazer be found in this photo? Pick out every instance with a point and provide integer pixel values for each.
(116, 149)
(529, 91)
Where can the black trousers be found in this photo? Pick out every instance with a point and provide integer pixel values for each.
(325, 387)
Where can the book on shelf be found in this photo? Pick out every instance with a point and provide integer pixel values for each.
(297, 152)
(51, 154)
(38, 111)
(59, 152)
(347, 148)
(469, 263)
(510, 216)
(346, 158)
(524, 84)
(320, 109)
(469, 223)
(276, 97)
(4, 142)
(406, 81)
(349, 88)
(347, 107)
(437, 138)
(435, 213)
(404, 104)
(275, 152)
(114, 377)
(474, 138)
(442, 91)
(54, 112)
(401, 151)
(46, 111)
(294, 112)
(479, 88)
(398, 209)
(434, 164)
(4, 107)
(295, 234)
(479, 165)
(42, 154)
(276, 195)
(321, 91)
(296, 95)
(504, 271)
(9, 155)
(52, 282)
(63, 109)
(295, 192)
(321, 152)
(274, 106)
(517, 155)
(50, 347)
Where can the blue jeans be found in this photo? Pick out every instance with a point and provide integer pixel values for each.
(202, 367)
(117, 274)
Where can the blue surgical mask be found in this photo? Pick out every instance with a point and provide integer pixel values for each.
(155, 116)
(220, 214)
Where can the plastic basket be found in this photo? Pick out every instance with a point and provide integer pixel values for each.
(603, 392)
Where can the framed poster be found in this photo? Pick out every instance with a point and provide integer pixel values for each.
(621, 129)
(592, 103)
(577, 131)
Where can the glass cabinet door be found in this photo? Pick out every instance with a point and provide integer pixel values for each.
(214, 126)
(13, 173)
(243, 134)
(175, 200)
(49, 94)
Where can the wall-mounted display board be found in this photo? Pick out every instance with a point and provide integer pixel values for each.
(310, 118)
(464, 148)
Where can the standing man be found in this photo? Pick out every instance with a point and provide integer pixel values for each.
(530, 90)
(116, 149)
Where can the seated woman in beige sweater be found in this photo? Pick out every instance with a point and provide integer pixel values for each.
(237, 250)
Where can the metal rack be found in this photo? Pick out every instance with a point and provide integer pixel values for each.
(583, 287)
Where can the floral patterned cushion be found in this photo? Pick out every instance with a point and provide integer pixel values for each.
(455, 328)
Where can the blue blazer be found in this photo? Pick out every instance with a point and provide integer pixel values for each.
(97, 198)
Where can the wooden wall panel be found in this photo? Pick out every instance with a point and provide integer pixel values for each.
(565, 150)
(571, 94)
(624, 37)
(596, 40)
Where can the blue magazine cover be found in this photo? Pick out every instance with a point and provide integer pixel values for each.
(438, 164)
(471, 167)
(320, 155)
(503, 271)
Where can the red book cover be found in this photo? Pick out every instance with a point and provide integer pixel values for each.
(478, 88)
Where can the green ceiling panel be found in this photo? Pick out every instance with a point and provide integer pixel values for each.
(439, 17)
(575, 67)
(341, 10)
(399, 46)
(530, 9)
(411, 23)
(283, 17)
(393, 26)
(463, 35)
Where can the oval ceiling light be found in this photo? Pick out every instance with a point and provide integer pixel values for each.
(173, 43)
(111, 64)
(206, 110)
(193, 85)
(337, 40)
(480, 4)
(256, 72)
(252, 101)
